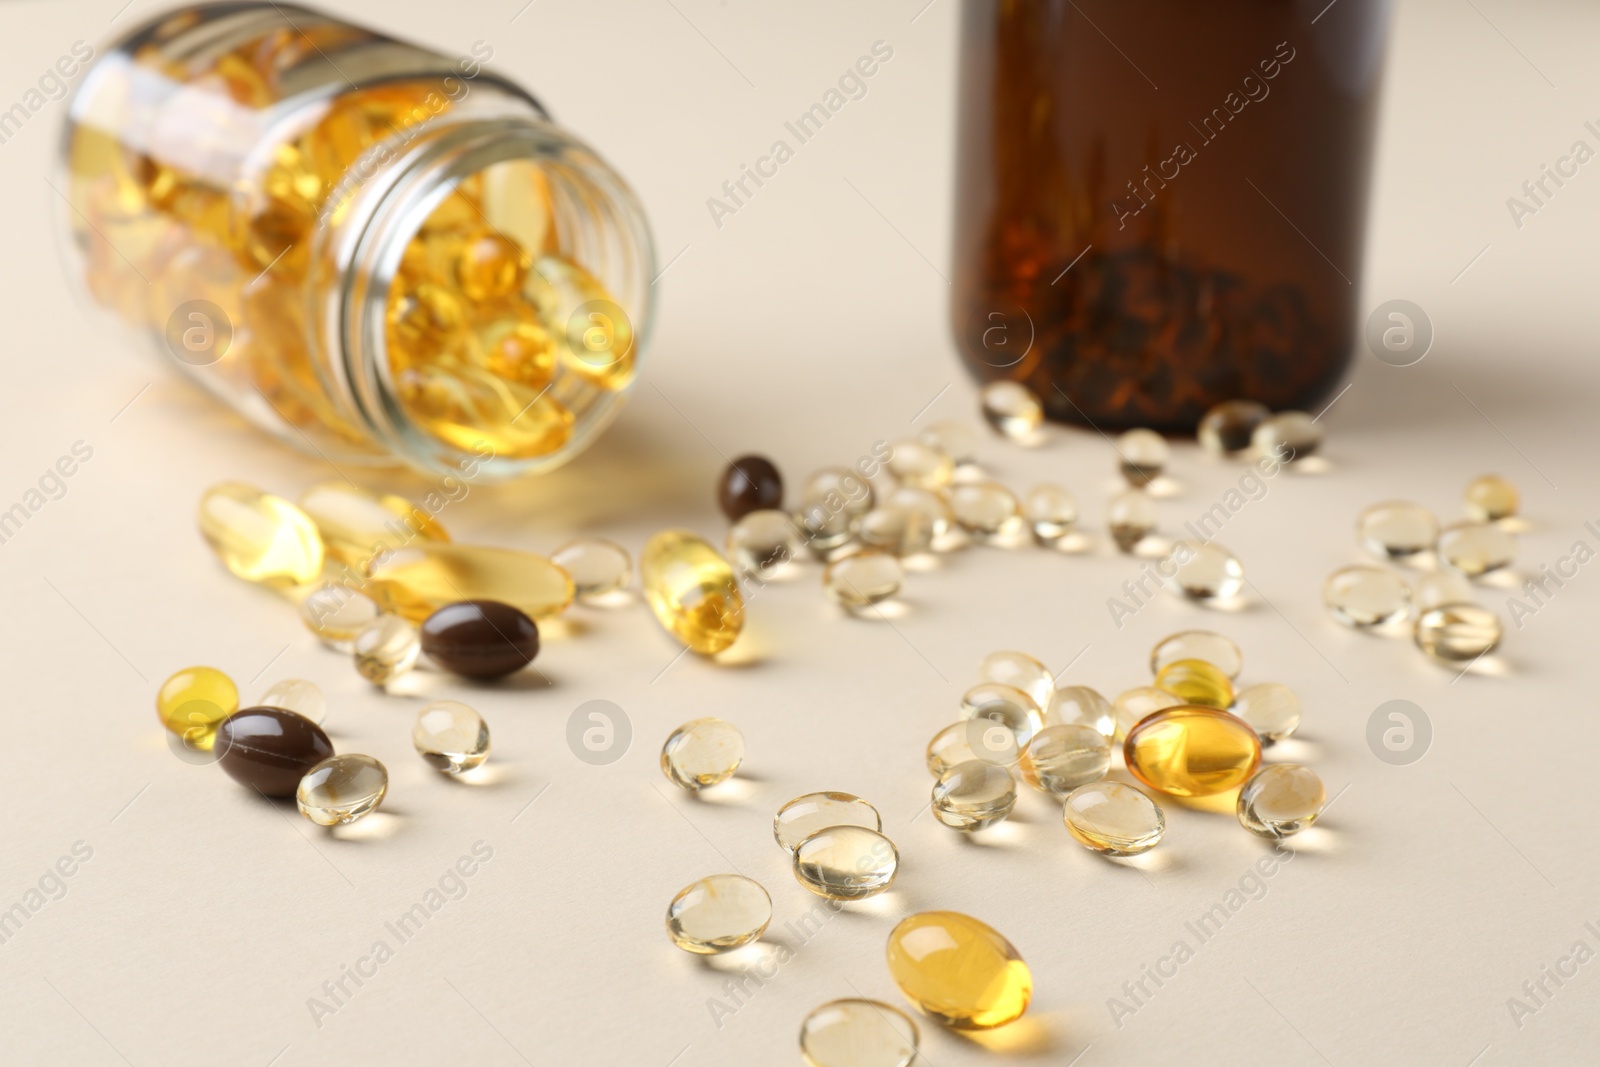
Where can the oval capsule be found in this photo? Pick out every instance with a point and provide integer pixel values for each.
(1190, 751)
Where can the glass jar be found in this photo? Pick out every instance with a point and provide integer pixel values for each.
(374, 251)
(1160, 203)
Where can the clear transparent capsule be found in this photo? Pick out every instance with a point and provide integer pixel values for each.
(701, 753)
(1270, 709)
(765, 543)
(1476, 548)
(1457, 633)
(386, 649)
(920, 465)
(450, 736)
(1012, 409)
(1287, 436)
(846, 862)
(1207, 645)
(958, 440)
(1194, 681)
(718, 914)
(1490, 498)
(1113, 819)
(1364, 596)
(974, 796)
(832, 502)
(1020, 671)
(862, 579)
(986, 510)
(930, 505)
(805, 815)
(1134, 704)
(1006, 705)
(1131, 517)
(296, 695)
(898, 531)
(1061, 758)
(1051, 513)
(596, 566)
(1437, 588)
(1141, 456)
(858, 1033)
(1205, 572)
(974, 739)
(336, 615)
(342, 789)
(1228, 427)
(1281, 801)
(1397, 529)
(1079, 705)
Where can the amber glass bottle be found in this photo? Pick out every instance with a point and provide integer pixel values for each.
(1160, 203)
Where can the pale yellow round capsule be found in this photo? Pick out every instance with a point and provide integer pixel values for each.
(1397, 529)
(805, 815)
(1194, 681)
(1208, 645)
(1079, 705)
(920, 465)
(1491, 498)
(765, 543)
(1457, 633)
(296, 695)
(1364, 596)
(958, 440)
(975, 739)
(1205, 572)
(986, 510)
(386, 649)
(1020, 671)
(832, 502)
(1012, 409)
(718, 914)
(1270, 709)
(193, 702)
(596, 566)
(342, 789)
(862, 579)
(1476, 548)
(898, 531)
(1227, 427)
(450, 736)
(1437, 588)
(1006, 705)
(260, 537)
(846, 862)
(1061, 758)
(1134, 704)
(1287, 436)
(1051, 513)
(1113, 819)
(858, 1033)
(701, 753)
(1131, 517)
(1141, 456)
(974, 796)
(692, 591)
(930, 505)
(337, 615)
(1281, 801)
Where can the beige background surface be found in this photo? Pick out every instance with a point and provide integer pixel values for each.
(808, 326)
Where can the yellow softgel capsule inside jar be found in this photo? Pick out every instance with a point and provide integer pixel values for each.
(691, 589)
(959, 971)
(1190, 751)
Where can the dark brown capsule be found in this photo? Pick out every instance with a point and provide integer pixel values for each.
(270, 749)
(751, 483)
(480, 638)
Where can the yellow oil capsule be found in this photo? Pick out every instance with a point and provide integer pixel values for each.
(193, 701)
(1190, 751)
(418, 580)
(691, 589)
(358, 526)
(260, 537)
(959, 971)
(490, 266)
(1194, 681)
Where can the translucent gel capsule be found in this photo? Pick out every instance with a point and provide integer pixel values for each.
(1490, 498)
(898, 531)
(342, 789)
(1476, 548)
(1281, 801)
(974, 796)
(260, 537)
(1061, 758)
(692, 591)
(846, 862)
(975, 739)
(1228, 427)
(1194, 681)
(1270, 709)
(1457, 633)
(930, 505)
(920, 465)
(337, 615)
(1191, 751)
(418, 580)
(1081, 706)
(296, 695)
(1134, 704)
(860, 580)
(1012, 409)
(596, 566)
(959, 971)
(1397, 529)
(858, 1033)
(386, 649)
(1288, 435)
(1437, 588)
(357, 526)
(986, 510)
(765, 543)
(832, 502)
(1113, 819)
(1051, 513)
(450, 736)
(805, 815)
(718, 914)
(1020, 671)
(1366, 596)
(1131, 517)
(958, 440)
(194, 701)
(1206, 645)
(1141, 456)
(701, 753)
(1205, 572)
(1006, 705)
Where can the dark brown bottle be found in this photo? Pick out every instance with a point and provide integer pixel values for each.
(1160, 204)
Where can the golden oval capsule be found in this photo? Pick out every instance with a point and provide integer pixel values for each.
(1191, 751)
(1195, 681)
(691, 589)
(959, 971)
(260, 537)
(358, 526)
(419, 580)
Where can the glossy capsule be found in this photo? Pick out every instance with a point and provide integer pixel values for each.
(1363, 596)
(1050, 512)
(959, 971)
(296, 695)
(342, 789)
(805, 815)
(1229, 426)
(1079, 705)
(974, 796)
(1020, 671)
(1490, 498)
(986, 510)
(1113, 819)
(358, 526)
(1214, 648)
(596, 566)
(749, 483)
(386, 650)
(193, 702)
(718, 914)
(420, 579)
(898, 531)
(920, 465)
(337, 614)
(1133, 705)
(481, 639)
(1061, 758)
(1006, 705)
(1270, 709)
(975, 739)
(450, 736)
(858, 581)
(1457, 633)
(1397, 529)
(765, 543)
(1281, 801)
(858, 1033)
(1476, 548)
(701, 753)
(1194, 681)
(691, 590)
(260, 537)
(846, 862)
(1131, 517)
(1012, 410)
(270, 749)
(1141, 456)
(1191, 751)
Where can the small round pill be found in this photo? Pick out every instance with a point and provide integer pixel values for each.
(1207, 645)
(1288, 436)
(386, 649)
(1228, 427)
(1205, 572)
(450, 736)
(846, 862)
(1113, 819)
(1020, 671)
(1012, 409)
(297, 695)
(920, 465)
(1131, 517)
(858, 1033)
(1476, 548)
(805, 815)
(1490, 498)
(958, 440)
(1437, 588)
(337, 614)
(1270, 709)
(1457, 633)
(986, 510)
(898, 531)
(701, 753)
(1061, 758)
(1006, 705)
(342, 789)
(974, 739)
(1364, 596)
(1082, 706)
(1141, 456)
(1051, 513)
(974, 796)
(1281, 801)
(749, 483)
(596, 566)
(193, 702)
(865, 578)
(1397, 529)
(764, 543)
(718, 914)
(832, 501)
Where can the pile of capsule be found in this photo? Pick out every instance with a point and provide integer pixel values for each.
(1189, 734)
(953, 968)
(278, 747)
(1447, 623)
